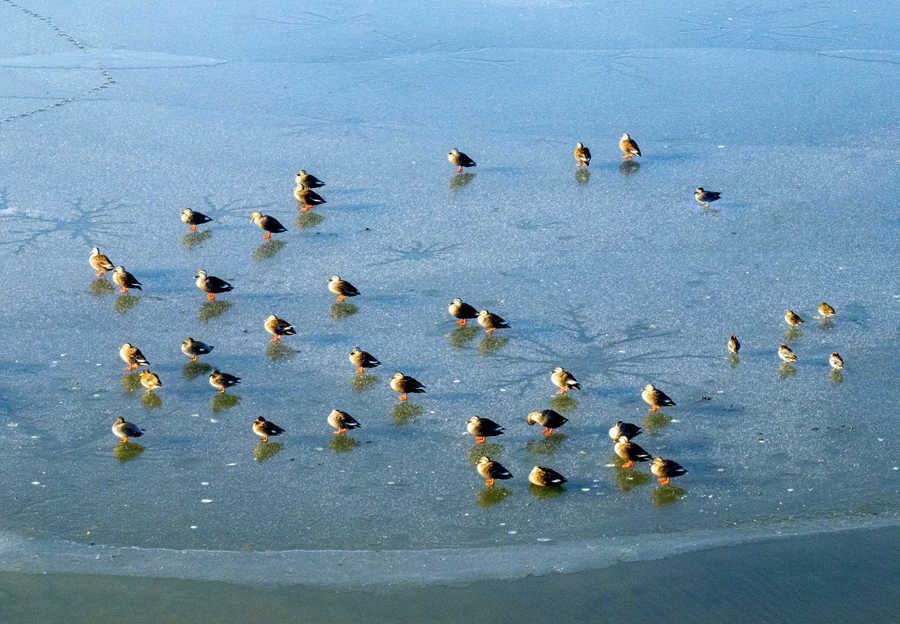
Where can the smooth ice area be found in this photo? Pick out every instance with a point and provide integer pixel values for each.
(117, 116)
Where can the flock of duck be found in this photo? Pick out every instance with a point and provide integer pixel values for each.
(622, 433)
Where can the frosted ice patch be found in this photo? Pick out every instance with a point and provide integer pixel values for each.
(512, 532)
(206, 500)
(108, 59)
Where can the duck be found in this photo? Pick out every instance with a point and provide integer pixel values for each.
(192, 348)
(132, 356)
(733, 344)
(545, 477)
(124, 430)
(362, 360)
(211, 285)
(564, 380)
(582, 155)
(630, 452)
(99, 262)
(278, 327)
(624, 429)
(194, 219)
(220, 381)
(548, 419)
(836, 362)
(307, 197)
(264, 428)
(150, 381)
(491, 470)
(459, 159)
(785, 353)
(270, 225)
(666, 469)
(792, 319)
(629, 146)
(405, 385)
(308, 180)
(462, 311)
(483, 428)
(706, 197)
(342, 421)
(655, 398)
(824, 309)
(491, 321)
(341, 288)
(125, 280)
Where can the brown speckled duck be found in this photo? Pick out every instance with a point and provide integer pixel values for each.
(278, 327)
(483, 428)
(564, 380)
(793, 319)
(491, 470)
(582, 155)
(545, 477)
(99, 262)
(125, 280)
(491, 321)
(548, 419)
(264, 428)
(307, 197)
(630, 452)
(308, 180)
(221, 381)
(150, 381)
(405, 385)
(192, 348)
(785, 353)
(629, 147)
(211, 285)
(341, 288)
(124, 430)
(733, 344)
(666, 469)
(269, 225)
(342, 421)
(826, 310)
(655, 398)
(836, 362)
(462, 311)
(362, 360)
(132, 356)
(459, 159)
(706, 197)
(194, 219)
(624, 429)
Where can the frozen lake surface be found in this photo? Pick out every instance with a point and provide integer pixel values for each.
(117, 116)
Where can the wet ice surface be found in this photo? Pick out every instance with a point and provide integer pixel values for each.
(619, 275)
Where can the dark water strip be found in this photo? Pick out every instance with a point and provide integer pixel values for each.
(846, 576)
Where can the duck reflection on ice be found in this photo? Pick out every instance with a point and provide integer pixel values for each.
(490, 496)
(267, 450)
(628, 167)
(655, 421)
(342, 310)
(361, 383)
(127, 452)
(192, 370)
(404, 412)
(461, 335)
(627, 480)
(666, 495)
(212, 309)
(548, 445)
(583, 176)
(224, 401)
(490, 344)
(151, 400)
(268, 250)
(279, 352)
(460, 180)
(100, 287)
(308, 220)
(131, 382)
(195, 239)
(564, 404)
(342, 444)
(126, 302)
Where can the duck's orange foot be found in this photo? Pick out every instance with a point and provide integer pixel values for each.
(264, 439)
(123, 440)
(655, 408)
(489, 331)
(193, 228)
(628, 464)
(123, 290)
(276, 338)
(193, 358)
(210, 296)
(306, 207)
(360, 370)
(458, 169)
(461, 323)
(548, 432)
(100, 273)
(267, 235)
(403, 397)
(562, 391)
(340, 432)
(340, 298)
(222, 391)
(479, 439)
(489, 483)
(664, 480)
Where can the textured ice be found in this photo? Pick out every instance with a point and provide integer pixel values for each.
(615, 273)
